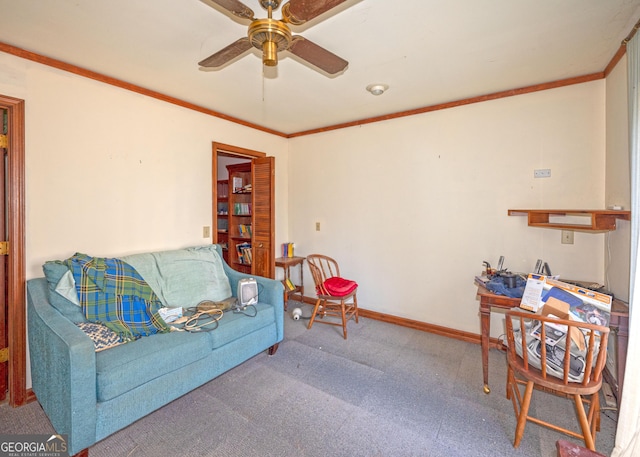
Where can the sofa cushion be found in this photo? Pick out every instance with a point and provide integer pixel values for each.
(125, 367)
(236, 325)
(56, 274)
(183, 277)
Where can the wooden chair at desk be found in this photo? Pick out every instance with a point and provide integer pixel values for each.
(560, 378)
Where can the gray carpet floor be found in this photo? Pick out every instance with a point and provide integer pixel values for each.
(386, 391)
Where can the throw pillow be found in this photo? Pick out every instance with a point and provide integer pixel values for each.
(55, 273)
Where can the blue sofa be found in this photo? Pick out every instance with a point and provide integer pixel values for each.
(89, 395)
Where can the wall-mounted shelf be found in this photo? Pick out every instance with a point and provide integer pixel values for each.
(566, 219)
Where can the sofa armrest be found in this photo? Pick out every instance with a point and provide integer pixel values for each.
(63, 369)
(269, 291)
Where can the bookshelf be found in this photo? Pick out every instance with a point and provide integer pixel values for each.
(240, 217)
(222, 216)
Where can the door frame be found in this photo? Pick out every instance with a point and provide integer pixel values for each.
(16, 272)
(233, 151)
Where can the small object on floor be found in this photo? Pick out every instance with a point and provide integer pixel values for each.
(296, 314)
(568, 449)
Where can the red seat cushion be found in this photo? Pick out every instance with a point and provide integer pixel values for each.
(339, 287)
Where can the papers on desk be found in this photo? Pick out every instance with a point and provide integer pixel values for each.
(532, 297)
(584, 305)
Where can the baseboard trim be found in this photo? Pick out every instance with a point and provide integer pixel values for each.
(423, 326)
(419, 325)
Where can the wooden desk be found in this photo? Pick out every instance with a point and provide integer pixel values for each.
(286, 263)
(618, 322)
(487, 301)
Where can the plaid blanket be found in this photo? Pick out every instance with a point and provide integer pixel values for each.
(112, 293)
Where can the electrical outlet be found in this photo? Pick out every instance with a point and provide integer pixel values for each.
(567, 237)
(206, 231)
(542, 173)
(317, 226)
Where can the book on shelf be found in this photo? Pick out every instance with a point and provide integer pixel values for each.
(237, 184)
(289, 284)
(243, 251)
(244, 230)
(242, 209)
(287, 250)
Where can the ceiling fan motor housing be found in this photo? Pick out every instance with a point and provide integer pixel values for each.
(270, 36)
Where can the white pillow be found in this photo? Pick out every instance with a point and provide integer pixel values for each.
(67, 288)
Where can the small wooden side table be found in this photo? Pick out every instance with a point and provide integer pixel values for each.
(286, 263)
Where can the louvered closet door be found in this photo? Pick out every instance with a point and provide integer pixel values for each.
(263, 179)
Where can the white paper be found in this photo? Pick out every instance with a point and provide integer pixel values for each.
(532, 293)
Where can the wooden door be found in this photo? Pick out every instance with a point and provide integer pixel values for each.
(14, 327)
(263, 178)
(4, 343)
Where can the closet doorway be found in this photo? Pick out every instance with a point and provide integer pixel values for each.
(244, 211)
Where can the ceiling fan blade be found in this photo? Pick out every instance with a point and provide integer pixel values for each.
(236, 8)
(317, 56)
(227, 54)
(300, 11)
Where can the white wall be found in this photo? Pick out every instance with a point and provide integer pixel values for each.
(411, 207)
(618, 187)
(111, 172)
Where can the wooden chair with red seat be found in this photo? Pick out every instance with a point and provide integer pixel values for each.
(564, 378)
(336, 296)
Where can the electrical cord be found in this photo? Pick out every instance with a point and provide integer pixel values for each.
(243, 310)
(201, 320)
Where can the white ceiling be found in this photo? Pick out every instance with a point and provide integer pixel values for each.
(427, 51)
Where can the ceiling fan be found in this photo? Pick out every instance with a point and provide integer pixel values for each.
(272, 35)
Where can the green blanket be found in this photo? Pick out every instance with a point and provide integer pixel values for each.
(111, 292)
